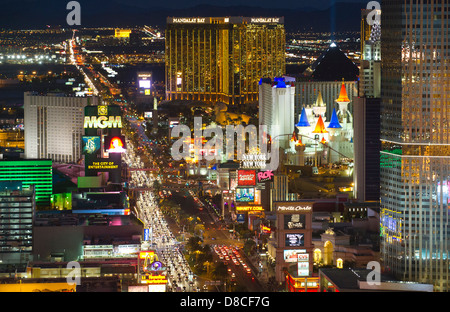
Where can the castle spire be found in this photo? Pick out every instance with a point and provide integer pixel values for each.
(303, 122)
(334, 122)
(343, 97)
(320, 126)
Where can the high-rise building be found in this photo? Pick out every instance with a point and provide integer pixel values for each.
(37, 172)
(54, 126)
(221, 59)
(415, 140)
(276, 108)
(17, 207)
(366, 110)
(366, 174)
(370, 68)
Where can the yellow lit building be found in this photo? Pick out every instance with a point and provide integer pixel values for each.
(122, 33)
(222, 59)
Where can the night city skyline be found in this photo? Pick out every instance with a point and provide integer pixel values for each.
(238, 154)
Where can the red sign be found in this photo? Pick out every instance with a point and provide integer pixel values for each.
(246, 177)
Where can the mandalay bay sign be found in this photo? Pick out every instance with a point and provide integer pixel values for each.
(241, 137)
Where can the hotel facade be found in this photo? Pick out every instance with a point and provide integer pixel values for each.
(222, 59)
(415, 141)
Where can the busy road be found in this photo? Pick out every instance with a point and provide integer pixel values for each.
(161, 239)
(180, 276)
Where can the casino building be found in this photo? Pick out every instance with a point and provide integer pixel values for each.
(291, 246)
(54, 126)
(221, 59)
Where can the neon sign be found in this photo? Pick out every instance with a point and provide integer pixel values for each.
(264, 176)
(188, 20)
(265, 20)
(249, 208)
(102, 122)
(294, 208)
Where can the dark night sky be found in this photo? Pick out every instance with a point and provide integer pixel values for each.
(38, 13)
(318, 4)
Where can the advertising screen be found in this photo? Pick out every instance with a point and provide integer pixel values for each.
(303, 268)
(246, 177)
(294, 239)
(115, 144)
(291, 255)
(246, 195)
(294, 221)
(91, 144)
(148, 114)
(144, 84)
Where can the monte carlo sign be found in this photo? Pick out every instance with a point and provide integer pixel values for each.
(104, 117)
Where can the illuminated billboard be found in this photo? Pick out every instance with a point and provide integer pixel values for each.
(246, 195)
(249, 208)
(102, 165)
(292, 255)
(294, 221)
(102, 117)
(91, 144)
(265, 176)
(115, 144)
(144, 84)
(246, 177)
(102, 122)
(303, 268)
(294, 240)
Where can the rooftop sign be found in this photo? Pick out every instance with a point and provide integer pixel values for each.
(186, 20)
(294, 207)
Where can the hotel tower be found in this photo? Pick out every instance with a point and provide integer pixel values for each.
(222, 59)
(415, 140)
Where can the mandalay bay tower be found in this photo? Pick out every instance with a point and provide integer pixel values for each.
(415, 140)
(222, 59)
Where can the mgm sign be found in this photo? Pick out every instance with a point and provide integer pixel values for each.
(102, 122)
(101, 117)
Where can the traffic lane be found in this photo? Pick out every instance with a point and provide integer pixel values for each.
(241, 275)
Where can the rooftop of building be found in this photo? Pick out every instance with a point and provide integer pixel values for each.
(225, 20)
(333, 65)
(359, 279)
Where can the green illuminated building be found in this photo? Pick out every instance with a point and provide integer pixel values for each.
(30, 172)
